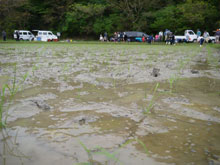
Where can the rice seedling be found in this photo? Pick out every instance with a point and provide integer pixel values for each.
(84, 163)
(10, 147)
(110, 155)
(12, 89)
(152, 101)
(138, 141)
(2, 124)
(65, 67)
(88, 151)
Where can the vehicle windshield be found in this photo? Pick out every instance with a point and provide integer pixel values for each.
(191, 33)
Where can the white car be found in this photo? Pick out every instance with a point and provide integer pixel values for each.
(24, 35)
(45, 36)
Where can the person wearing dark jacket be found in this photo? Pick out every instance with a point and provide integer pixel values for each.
(125, 37)
(18, 36)
(4, 35)
(172, 39)
(150, 39)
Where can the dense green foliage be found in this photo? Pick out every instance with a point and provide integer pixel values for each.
(80, 18)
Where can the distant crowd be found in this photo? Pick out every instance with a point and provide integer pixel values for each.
(167, 36)
(122, 36)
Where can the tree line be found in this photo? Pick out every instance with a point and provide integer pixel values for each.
(89, 18)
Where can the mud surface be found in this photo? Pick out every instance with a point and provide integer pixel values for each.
(103, 104)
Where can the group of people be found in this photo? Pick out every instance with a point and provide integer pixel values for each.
(118, 36)
(148, 39)
(159, 36)
(166, 36)
(169, 37)
(104, 38)
(205, 36)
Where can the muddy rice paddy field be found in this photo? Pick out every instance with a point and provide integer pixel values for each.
(92, 103)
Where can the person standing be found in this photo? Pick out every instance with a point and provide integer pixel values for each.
(157, 37)
(206, 36)
(101, 37)
(17, 36)
(4, 35)
(198, 33)
(105, 36)
(165, 35)
(118, 36)
(121, 36)
(125, 37)
(115, 36)
(187, 38)
(150, 39)
(217, 35)
(143, 38)
(161, 36)
(172, 39)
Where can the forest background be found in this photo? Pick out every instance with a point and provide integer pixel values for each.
(89, 18)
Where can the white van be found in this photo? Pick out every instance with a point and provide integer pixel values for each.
(45, 36)
(24, 35)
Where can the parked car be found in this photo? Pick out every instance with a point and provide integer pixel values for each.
(24, 35)
(43, 35)
(135, 36)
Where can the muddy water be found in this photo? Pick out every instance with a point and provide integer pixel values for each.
(89, 103)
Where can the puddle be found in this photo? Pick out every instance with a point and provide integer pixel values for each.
(98, 104)
(200, 90)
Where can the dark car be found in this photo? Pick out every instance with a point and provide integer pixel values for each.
(135, 36)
